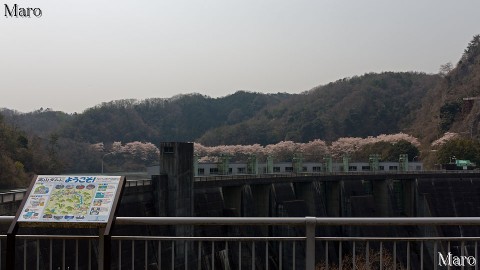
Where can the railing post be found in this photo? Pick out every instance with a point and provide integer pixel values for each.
(101, 248)
(310, 223)
(104, 250)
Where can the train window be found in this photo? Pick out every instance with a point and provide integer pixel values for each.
(393, 168)
(241, 170)
(201, 171)
(288, 169)
(276, 169)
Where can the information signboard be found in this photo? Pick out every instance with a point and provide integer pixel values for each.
(71, 199)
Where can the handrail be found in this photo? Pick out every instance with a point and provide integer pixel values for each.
(256, 221)
(309, 240)
(292, 221)
(316, 174)
(13, 195)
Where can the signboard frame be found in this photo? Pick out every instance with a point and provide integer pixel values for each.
(70, 201)
(104, 227)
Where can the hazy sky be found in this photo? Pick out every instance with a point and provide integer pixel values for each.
(84, 52)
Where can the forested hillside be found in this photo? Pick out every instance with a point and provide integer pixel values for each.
(181, 118)
(10, 145)
(22, 155)
(41, 122)
(368, 105)
(444, 108)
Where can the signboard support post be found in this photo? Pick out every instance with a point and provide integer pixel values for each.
(10, 263)
(103, 250)
(107, 257)
(104, 233)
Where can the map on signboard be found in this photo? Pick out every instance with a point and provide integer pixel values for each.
(70, 199)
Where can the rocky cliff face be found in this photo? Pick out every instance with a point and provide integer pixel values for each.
(454, 104)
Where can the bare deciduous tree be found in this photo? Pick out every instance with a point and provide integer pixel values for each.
(445, 69)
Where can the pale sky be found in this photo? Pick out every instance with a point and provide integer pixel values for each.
(84, 52)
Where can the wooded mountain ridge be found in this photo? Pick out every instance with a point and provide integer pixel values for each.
(361, 106)
(423, 105)
(180, 118)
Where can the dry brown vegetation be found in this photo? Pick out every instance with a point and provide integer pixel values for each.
(361, 262)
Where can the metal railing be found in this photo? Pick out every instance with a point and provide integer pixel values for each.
(12, 195)
(18, 194)
(138, 182)
(267, 243)
(352, 173)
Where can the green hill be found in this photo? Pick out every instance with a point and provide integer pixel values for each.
(181, 118)
(444, 108)
(368, 105)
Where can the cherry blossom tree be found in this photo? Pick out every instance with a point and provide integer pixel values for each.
(448, 136)
(347, 145)
(116, 147)
(141, 153)
(285, 150)
(98, 147)
(393, 138)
